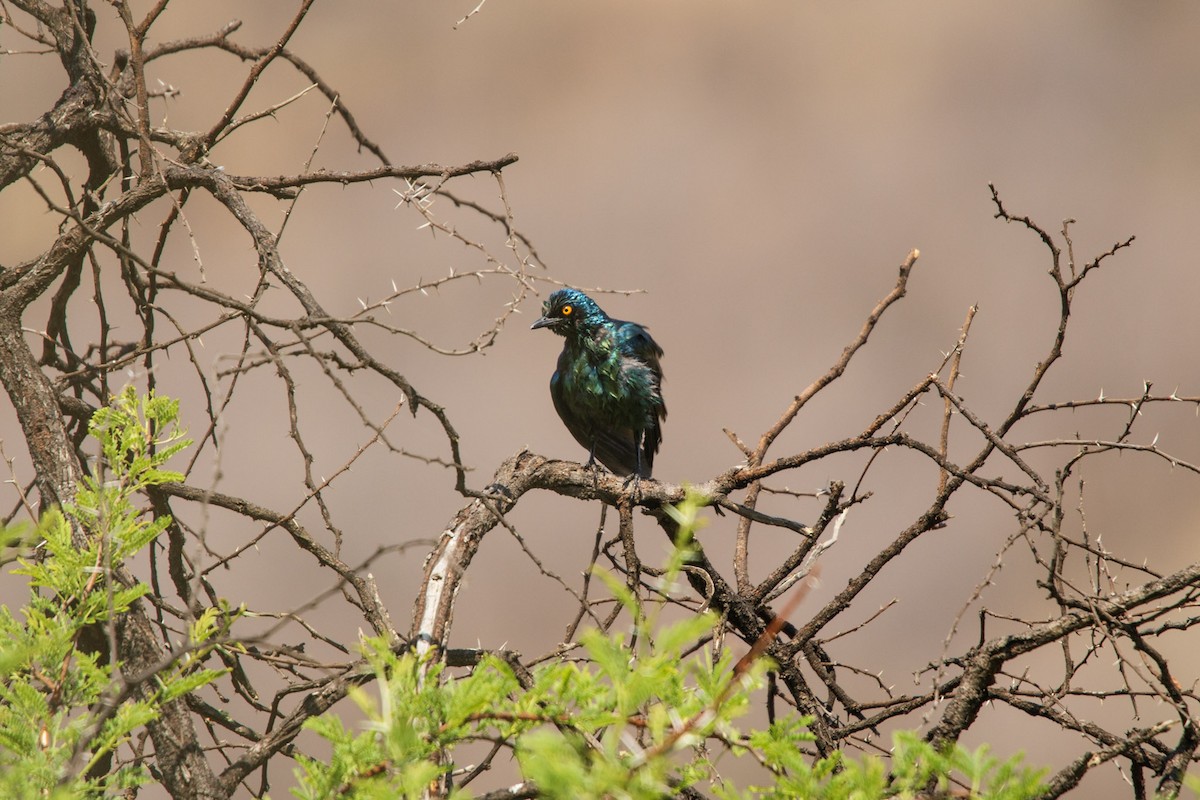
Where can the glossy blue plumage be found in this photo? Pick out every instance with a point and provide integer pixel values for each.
(607, 388)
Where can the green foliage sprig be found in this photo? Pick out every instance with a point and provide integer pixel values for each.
(632, 719)
(65, 707)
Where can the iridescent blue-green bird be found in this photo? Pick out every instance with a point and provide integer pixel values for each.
(607, 388)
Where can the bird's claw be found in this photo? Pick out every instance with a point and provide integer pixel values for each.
(498, 489)
(632, 484)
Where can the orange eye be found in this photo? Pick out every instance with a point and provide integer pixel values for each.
(568, 310)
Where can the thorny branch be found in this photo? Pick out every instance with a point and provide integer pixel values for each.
(108, 116)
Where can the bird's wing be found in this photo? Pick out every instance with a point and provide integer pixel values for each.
(636, 340)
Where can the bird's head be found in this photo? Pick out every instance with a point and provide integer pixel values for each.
(568, 311)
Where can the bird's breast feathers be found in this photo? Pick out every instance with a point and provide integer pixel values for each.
(601, 380)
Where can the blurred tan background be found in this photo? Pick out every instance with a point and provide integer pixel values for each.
(760, 170)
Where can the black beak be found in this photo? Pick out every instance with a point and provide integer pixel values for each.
(544, 322)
